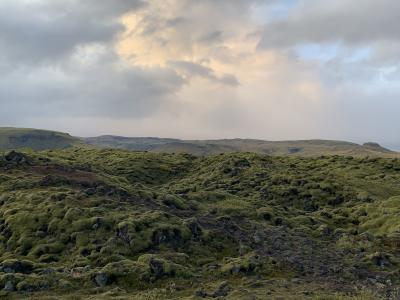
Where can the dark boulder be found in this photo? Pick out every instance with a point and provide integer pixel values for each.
(172, 236)
(156, 268)
(9, 286)
(222, 290)
(195, 229)
(101, 279)
(17, 266)
(14, 158)
(201, 293)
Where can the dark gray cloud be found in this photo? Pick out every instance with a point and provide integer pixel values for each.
(38, 31)
(212, 37)
(190, 69)
(103, 87)
(57, 59)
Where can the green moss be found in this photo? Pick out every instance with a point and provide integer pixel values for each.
(174, 201)
(248, 264)
(126, 273)
(266, 214)
(91, 221)
(33, 283)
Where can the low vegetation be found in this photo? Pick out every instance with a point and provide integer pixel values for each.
(101, 224)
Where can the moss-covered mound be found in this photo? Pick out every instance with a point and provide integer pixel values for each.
(113, 224)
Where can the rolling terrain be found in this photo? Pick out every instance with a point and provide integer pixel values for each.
(210, 147)
(114, 224)
(35, 139)
(172, 219)
(18, 138)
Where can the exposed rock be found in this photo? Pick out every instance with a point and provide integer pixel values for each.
(222, 290)
(201, 293)
(9, 286)
(101, 279)
(156, 267)
(195, 229)
(258, 236)
(14, 158)
(172, 236)
(324, 230)
(381, 259)
(16, 266)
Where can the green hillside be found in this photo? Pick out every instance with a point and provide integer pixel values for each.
(115, 224)
(210, 147)
(19, 138)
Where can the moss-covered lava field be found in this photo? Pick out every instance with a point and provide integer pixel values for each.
(114, 224)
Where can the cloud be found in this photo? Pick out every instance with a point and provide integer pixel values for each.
(185, 30)
(357, 22)
(191, 69)
(102, 87)
(202, 69)
(349, 27)
(57, 58)
(37, 31)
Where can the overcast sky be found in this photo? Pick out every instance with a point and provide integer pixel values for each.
(269, 69)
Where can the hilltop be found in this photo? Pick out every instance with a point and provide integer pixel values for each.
(35, 139)
(116, 224)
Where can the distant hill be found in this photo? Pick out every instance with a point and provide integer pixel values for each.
(22, 138)
(136, 144)
(19, 138)
(209, 147)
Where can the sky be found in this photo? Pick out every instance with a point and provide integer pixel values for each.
(267, 69)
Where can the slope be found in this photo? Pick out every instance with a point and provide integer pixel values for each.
(18, 138)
